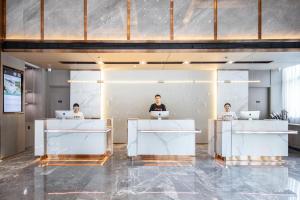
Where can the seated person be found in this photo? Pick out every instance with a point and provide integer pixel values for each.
(76, 112)
(227, 114)
(157, 106)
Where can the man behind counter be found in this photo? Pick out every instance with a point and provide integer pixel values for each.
(157, 106)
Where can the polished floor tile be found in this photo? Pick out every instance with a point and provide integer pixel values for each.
(121, 178)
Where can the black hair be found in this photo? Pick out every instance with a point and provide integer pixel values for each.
(157, 95)
(75, 105)
(227, 104)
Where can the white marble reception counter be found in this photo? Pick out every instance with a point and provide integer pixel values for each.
(248, 138)
(161, 137)
(73, 137)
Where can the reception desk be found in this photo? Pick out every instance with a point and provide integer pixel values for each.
(89, 137)
(248, 139)
(161, 137)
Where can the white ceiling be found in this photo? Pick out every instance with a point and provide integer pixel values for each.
(52, 60)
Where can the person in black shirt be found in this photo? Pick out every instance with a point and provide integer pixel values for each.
(157, 106)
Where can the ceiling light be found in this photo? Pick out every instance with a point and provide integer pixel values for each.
(100, 62)
(49, 69)
(229, 62)
(84, 81)
(143, 62)
(186, 62)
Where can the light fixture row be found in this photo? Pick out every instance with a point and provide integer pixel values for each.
(159, 81)
(144, 62)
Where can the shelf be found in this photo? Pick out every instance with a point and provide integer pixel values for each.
(170, 131)
(76, 131)
(265, 132)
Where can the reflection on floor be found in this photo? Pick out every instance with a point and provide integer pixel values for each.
(121, 178)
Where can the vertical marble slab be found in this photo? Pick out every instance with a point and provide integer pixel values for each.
(237, 19)
(193, 19)
(23, 19)
(132, 137)
(86, 94)
(211, 137)
(280, 19)
(223, 138)
(150, 19)
(234, 93)
(107, 19)
(39, 139)
(64, 20)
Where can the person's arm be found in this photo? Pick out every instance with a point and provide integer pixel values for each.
(164, 108)
(81, 116)
(234, 115)
(151, 108)
(220, 117)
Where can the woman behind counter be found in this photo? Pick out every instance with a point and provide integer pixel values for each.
(227, 114)
(76, 112)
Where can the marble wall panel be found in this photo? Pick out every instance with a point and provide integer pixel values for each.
(183, 100)
(234, 93)
(107, 19)
(280, 19)
(64, 20)
(23, 19)
(150, 19)
(87, 95)
(237, 19)
(193, 19)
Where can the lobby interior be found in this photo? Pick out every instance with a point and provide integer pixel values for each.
(112, 57)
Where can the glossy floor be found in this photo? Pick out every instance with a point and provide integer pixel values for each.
(120, 178)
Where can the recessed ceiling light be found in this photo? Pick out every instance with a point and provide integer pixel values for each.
(186, 62)
(143, 62)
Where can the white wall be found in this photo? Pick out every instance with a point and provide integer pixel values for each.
(87, 95)
(183, 100)
(234, 93)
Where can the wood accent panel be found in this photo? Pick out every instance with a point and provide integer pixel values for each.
(128, 18)
(42, 2)
(215, 19)
(3, 19)
(259, 19)
(171, 19)
(85, 18)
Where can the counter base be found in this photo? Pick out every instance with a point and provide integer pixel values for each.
(163, 160)
(250, 160)
(74, 160)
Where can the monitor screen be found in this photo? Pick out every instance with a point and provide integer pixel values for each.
(12, 90)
